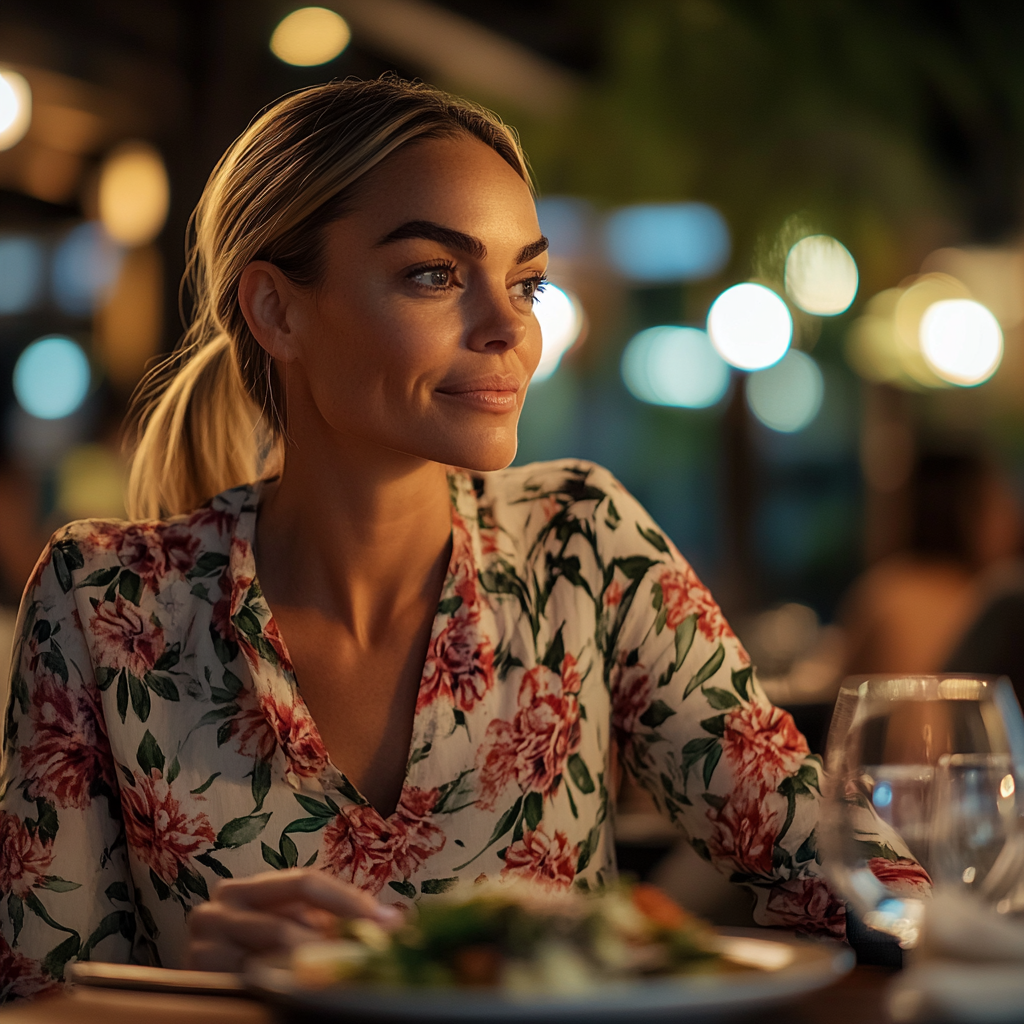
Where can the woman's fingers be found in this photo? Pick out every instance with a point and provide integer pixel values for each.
(222, 935)
(313, 888)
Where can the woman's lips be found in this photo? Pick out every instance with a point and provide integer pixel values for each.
(494, 394)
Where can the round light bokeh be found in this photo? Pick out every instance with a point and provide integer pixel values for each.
(560, 316)
(821, 275)
(750, 326)
(664, 242)
(961, 341)
(85, 266)
(675, 366)
(310, 36)
(51, 378)
(134, 194)
(787, 396)
(15, 108)
(22, 273)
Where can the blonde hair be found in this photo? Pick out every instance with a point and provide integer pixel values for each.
(207, 417)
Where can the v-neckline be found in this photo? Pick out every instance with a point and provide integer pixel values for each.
(245, 531)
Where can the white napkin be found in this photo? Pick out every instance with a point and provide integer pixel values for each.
(968, 967)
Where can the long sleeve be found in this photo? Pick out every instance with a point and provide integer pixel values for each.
(65, 885)
(696, 730)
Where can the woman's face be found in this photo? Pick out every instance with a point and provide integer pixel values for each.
(421, 337)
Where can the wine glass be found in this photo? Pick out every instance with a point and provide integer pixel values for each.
(922, 791)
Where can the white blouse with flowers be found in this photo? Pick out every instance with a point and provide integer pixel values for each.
(156, 738)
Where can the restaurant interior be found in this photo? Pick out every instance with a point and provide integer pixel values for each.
(786, 299)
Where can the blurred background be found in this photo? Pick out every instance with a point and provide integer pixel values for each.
(787, 299)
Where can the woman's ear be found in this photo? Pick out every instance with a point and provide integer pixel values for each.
(269, 303)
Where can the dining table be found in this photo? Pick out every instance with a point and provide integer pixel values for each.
(857, 998)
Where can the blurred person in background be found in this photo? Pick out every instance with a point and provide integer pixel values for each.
(907, 612)
(472, 644)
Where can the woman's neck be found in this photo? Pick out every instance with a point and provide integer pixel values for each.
(359, 535)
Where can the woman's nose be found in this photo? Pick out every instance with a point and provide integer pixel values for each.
(496, 325)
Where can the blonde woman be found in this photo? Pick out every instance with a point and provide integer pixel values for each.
(325, 672)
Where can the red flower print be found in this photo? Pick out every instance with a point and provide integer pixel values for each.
(69, 752)
(744, 833)
(103, 536)
(534, 747)
(806, 905)
(141, 551)
(20, 977)
(162, 834)
(124, 638)
(762, 744)
(24, 858)
(683, 594)
(181, 546)
(537, 858)
(631, 697)
(363, 848)
(903, 876)
(613, 594)
(462, 566)
(296, 735)
(272, 634)
(459, 666)
(220, 519)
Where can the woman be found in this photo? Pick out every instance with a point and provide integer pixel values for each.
(472, 646)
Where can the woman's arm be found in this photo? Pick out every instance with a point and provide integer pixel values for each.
(696, 730)
(65, 887)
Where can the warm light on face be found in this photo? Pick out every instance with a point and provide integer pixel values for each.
(134, 194)
(674, 366)
(15, 108)
(962, 341)
(560, 316)
(310, 36)
(750, 326)
(821, 275)
(51, 378)
(787, 396)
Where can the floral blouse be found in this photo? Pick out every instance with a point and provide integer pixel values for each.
(156, 738)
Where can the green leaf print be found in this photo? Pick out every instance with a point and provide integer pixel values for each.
(140, 697)
(706, 671)
(580, 774)
(314, 807)
(170, 657)
(685, 632)
(533, 810)
(701, 849)
(406, 889)
(436, 886)
(657, 713)
(34, 904)
(714, 725)
(129, 586)
(612, 518)
(289, 851)
(162, 686)
(117, 891)
(711, 762)
(240, 831)
(149, 754)
(105, 675)
(307, 824)
(56, 884)
(719, 699)
(16, 912)
(740, 679)
(174, 770)
(653, 538)
(555, 653)
(56, 960)
(694, 750)
(208, 860)
(101, 577)
(120, 922)
(53, 659)
(809, 849)
(449, 605)
(272, 857)
(205, 786)
(260, 783)
(191, 881)
(122, 694)
(209, 563)
(505, 824)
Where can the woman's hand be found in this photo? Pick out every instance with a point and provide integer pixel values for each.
(273, 912)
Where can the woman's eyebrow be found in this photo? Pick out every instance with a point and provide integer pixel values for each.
(450, 238)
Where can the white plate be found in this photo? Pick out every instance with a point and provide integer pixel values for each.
(785, 968)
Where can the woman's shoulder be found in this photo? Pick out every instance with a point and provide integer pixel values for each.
(197, 543)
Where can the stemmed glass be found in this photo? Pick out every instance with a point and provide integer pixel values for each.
(924, 792)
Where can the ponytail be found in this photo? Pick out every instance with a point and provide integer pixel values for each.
(207, 418)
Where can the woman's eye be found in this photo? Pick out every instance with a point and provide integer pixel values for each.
(433, 277)
(528, 289)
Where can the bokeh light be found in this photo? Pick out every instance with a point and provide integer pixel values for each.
(310, 36)
(561, 320)
(21, 273)
(85, 267)
(15, 108)
(821, 275)
(565, 221)
(962, 341)
(51, 378)
(750, 326)
(90, 483)
(134, 194)
(787, 396)
(665, 242)
(674, 366)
